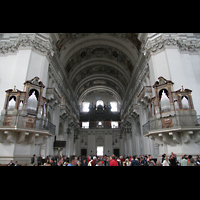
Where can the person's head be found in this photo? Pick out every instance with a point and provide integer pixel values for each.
(166, 158)
(113, 156)
(174, 155)
(33, 155)
(60, 161)
(99, 162)
(73, 160)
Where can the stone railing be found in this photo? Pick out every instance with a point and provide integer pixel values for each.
(170, 122)
(19, 121)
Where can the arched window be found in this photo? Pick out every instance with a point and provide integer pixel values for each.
(113, 106)
(99, 102)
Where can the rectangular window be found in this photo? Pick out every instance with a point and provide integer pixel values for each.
(85, 124)
(114, 125)
(113, 106)
(86, 106)
(100, 151)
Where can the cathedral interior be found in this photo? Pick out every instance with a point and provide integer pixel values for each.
(74, 93)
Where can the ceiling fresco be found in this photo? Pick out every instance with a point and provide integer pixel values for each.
(65, 37)
(98, 65)
(100, 82)
(98, 52)
(92, 70)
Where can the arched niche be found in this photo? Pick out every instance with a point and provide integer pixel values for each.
(185, 103)
(164, 100)
(32, 102)
(11, 103)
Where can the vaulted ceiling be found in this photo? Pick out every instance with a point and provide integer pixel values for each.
(98, 61)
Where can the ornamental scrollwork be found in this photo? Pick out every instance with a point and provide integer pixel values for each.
(38, 45)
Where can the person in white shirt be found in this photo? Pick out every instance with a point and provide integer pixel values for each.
(166, 162)
(184, 160)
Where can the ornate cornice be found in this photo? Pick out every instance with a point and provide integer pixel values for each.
(160, 42)
(36, 42)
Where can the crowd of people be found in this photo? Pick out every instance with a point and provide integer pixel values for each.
(142, 160)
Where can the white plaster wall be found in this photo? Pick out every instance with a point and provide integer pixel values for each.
(91, 145)
(13, 70)
(158, 66)
(185, 70)
(181, 68)
(21, 67)
(108, 145)
(7, 149)
(23, 149)
(38, 66)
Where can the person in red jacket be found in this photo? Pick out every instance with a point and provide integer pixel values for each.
(113, 162)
